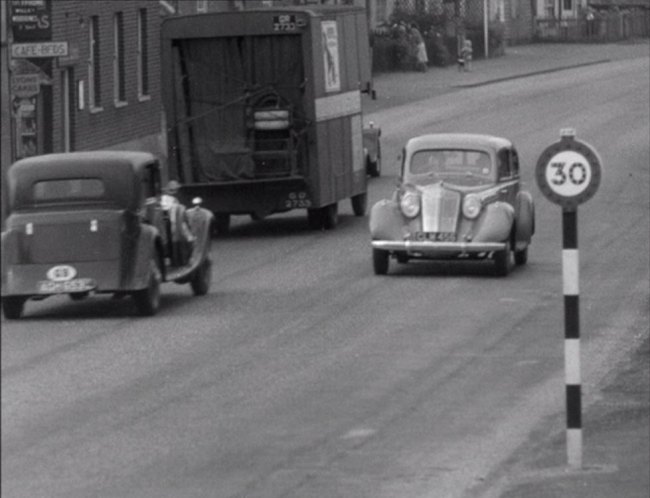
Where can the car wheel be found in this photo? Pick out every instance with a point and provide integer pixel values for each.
(360, 204)
(502, 260)
(380, 261)
(202, 278)
(12, 306)
(330, 216)
(402, 257)
(147, 300)
(521, 257)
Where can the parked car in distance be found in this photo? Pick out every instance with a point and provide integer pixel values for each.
(459, 196)
(81, 223)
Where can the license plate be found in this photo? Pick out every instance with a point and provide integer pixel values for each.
(437, 236)
(75, 285)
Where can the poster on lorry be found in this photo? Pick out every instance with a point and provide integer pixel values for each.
(331, 56)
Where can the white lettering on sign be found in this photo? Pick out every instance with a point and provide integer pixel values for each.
(44, 49)
(24, 85)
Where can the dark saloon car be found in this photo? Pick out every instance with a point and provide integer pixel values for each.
(459, 196)
(81, 223)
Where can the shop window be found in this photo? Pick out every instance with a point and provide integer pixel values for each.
(143, 56)
(94, 67)
(119, 84)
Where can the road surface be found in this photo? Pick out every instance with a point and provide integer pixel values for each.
(302, 374)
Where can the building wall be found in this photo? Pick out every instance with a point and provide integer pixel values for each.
(519, 21)
(187, 7)
(139, 120)
(555, 9)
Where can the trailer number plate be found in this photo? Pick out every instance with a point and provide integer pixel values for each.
(285, 22)
(297, 200)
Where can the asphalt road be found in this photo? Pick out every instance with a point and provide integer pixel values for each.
(304, 375)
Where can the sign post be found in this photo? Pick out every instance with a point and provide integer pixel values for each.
(568, 173)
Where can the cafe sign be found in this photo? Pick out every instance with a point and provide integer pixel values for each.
(36, 50)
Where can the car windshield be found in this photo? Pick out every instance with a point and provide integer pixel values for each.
(70, 189)
(456, 166)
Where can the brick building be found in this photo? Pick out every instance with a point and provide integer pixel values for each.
(97, 86)
(81, 75)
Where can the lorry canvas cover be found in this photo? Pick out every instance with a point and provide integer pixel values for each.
(242, 94)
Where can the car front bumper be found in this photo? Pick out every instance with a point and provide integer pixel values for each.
(432, 248)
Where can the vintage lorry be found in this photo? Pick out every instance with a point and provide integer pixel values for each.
(263, 111)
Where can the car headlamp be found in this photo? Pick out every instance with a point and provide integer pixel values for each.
(410, 204)
(471, 206)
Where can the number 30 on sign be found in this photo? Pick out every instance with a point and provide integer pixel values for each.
(569, 171)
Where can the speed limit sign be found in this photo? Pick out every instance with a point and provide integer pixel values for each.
(568, 172)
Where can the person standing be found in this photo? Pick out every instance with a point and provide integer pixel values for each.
(419, 48)
(466, 56)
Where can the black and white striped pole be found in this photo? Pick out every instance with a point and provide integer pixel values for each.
(568, 173)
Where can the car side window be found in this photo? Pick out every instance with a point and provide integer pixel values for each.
(503, 159)
(514, 161)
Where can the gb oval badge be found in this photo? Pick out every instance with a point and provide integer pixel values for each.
(61, 273)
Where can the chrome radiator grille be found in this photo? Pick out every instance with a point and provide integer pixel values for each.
(440, 210)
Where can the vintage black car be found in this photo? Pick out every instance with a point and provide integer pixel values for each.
(459, 196)
(81, 223)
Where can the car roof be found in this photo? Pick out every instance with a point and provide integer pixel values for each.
(120, 170)
(457, 140)
(64, 164)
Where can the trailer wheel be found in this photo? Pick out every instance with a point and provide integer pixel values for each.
(360, 204)
(330, 216)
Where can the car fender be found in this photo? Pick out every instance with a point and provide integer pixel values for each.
(149, 246)
(386, 221)
(496, 222)
(524, 219)
(200, 221)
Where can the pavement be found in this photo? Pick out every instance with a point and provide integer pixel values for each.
(398, 88)
(616, 415)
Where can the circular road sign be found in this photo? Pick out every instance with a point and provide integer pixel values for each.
(568, 172)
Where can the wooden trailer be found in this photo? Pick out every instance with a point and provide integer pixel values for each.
(263, 110)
